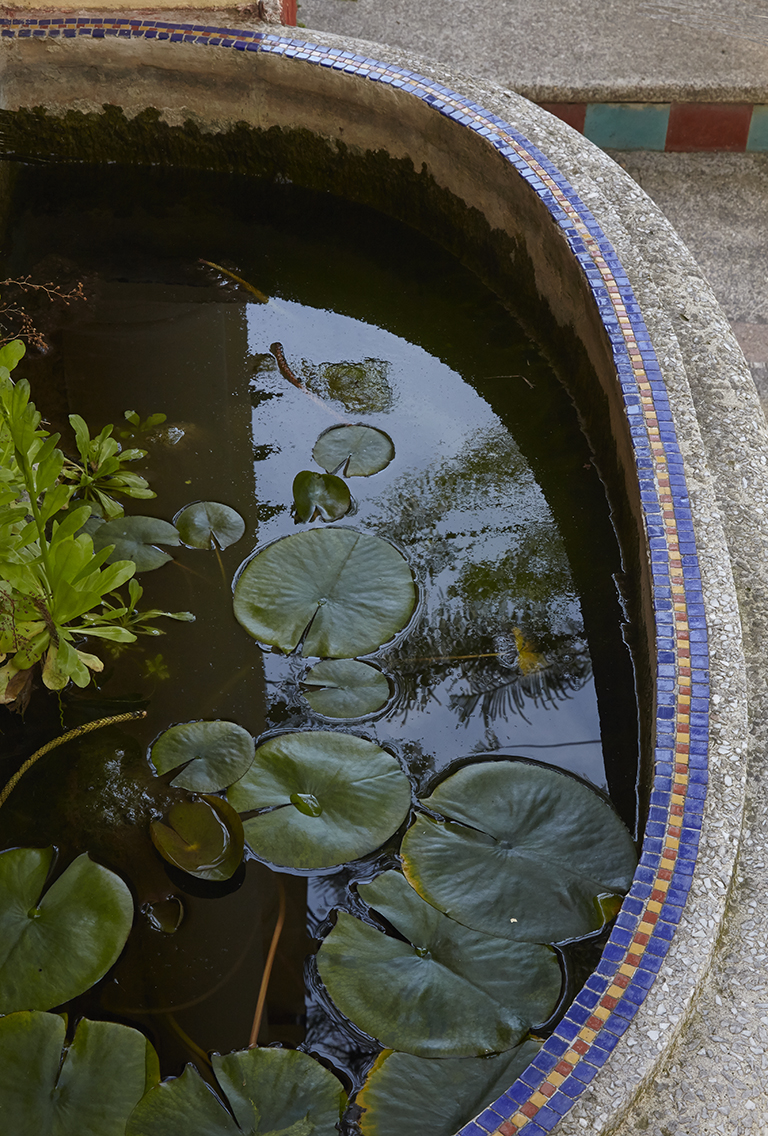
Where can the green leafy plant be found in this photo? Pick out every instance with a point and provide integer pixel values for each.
(100, 474)
(54, 586)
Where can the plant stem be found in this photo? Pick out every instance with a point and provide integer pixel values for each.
(268, 968)
(68, 737)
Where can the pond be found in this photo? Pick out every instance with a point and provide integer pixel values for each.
(474, 546)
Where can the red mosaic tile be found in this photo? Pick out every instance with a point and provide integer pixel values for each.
(580, 1046)
(547, 1089)
(572, 113)
(665, 874)
(564, 1068)
(659, 896)
(609, 1002)
(594, 1023)
(634, 960)
(641, 938)
(709, 126)
(623, 980)
(507, 1128)
(529, 1109)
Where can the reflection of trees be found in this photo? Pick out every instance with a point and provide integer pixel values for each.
(501, 626)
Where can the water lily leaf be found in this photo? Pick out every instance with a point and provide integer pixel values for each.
(204, 838)
(165, 915)
(88, 1090)
(209, 524)
(214, 754)
(135, 539)
(54, 948)
(272, 1092)
(525, 852)
(357, 451)
(345, 688)
(350, 592)
(320, 495)
(333, 798)
(446, 992)
(401, 1090)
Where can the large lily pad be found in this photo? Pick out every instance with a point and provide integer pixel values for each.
(345, 688)
(320, 495)
(333, 798)
(525, 852)
(214, 754)
(54, 948)
(136, 538)
(350, 592)
(272, 1092)
(104, 1073)
(209, 524)
(446, 992)
(401, 1090)
(204, 838)
(354, 451)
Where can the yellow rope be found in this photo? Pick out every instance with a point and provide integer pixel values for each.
(68, 737)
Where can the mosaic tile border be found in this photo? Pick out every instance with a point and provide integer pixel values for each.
(737, 128)
(585, 1038)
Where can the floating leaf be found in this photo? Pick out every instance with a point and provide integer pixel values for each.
(135, 539)
(333, 798)
(105, 1071)
(357, 451)
(401, 1090)
(345, 688)
(214, 754)
(320, 495)
(446, 992)
(54, 948)
(204, 838)
(350, 592)
(209, 524)
(165, 915)
(272, 1092)
(525, 852)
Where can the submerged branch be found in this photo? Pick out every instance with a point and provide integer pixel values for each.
(68, 737)
(268, 968)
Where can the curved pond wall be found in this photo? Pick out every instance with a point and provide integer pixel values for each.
(537, 210)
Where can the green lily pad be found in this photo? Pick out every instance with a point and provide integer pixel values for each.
(209, 524)
(214, 754)
(345, 688)
(355, 451)
(350, 592)
(135, 538)
(401, 1090)
(54, 948)
(272, 1092)
(361, 388)
(525, 852)
(204, 838)
(446, 992)
(320, 495)
(88, 1090)
(332, 798)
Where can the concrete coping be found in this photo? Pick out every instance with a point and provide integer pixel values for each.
(688, 405)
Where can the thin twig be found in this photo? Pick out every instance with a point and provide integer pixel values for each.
(268, 968)
(68, 737)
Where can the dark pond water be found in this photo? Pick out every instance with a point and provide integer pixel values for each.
(516, 647)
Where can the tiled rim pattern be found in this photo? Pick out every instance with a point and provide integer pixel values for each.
(584, 1040)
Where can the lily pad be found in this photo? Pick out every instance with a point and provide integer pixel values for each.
(446, 992)
(88, 1090)
(272, 1092)
(135, 538)
(214, 754)
(332, 798)
(204, 838)
(209, 524)
(525, 852)
(54, 948)
(345, 688)
(320, 495)
(345, 593)
(361, 388)
(401, 1090)
(355, 451)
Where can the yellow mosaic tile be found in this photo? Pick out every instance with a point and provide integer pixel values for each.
(538, 1099)
(519, 1119)
(654, 905)
(626, 967)
(661, 885)
(602, 1012)
(615, 991)
(555, 1079)
(571, 1056)
(646, 928)
(673, 842)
